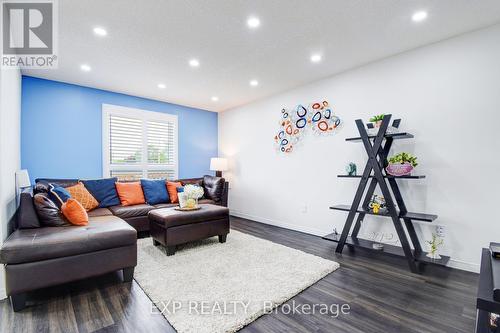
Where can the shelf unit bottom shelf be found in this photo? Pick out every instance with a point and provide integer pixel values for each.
(388, 249)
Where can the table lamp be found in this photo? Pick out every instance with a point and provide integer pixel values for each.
(22, 179)
(218, 165)
(22, 182)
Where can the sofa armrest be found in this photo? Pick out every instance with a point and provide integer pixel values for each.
(225, 194)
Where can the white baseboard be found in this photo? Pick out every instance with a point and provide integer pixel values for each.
(453, 263)
(464, 266)
(306, 230)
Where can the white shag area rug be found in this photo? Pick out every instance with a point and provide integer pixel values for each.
(212, 287)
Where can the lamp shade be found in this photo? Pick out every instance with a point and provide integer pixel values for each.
(22, 179)
(218, 164)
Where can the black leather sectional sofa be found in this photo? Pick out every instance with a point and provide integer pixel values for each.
(36, 257)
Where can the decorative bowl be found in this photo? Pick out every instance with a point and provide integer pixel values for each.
(399, 169)
(185, 209)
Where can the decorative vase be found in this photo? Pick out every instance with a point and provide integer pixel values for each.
(377, 124)
(434, 255)
(185, 202)
(191, 203)
(399, 169)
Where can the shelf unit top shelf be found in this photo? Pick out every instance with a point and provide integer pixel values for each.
(388, 249)
(395, 136)
(408, 215)
(386, 176)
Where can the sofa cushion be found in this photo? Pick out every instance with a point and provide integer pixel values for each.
(165, 205)
(155, 191)
(104, 191)
(131, 211)
(83, 196)
(130, 193)
(42, 184)
(172, 191)
(74, 212)
(58, 194)
(26, 216)
(28, 245)
(214, 186)
(191, 181)
(100, 212)
(206, 201)
(47, 211)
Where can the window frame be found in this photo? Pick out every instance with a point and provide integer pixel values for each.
(145, 116)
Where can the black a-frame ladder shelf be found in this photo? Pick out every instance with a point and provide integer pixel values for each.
(377, 148)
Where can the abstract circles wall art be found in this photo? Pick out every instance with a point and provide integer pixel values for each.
(295, 123)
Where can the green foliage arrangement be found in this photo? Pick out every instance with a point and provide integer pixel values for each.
(435, 243)
(403, 158)
(376, 118)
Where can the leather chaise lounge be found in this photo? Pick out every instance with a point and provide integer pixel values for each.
(37, 257)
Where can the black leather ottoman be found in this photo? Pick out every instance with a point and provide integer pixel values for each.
(171, 227)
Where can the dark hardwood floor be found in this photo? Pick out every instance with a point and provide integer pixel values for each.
(382, 294)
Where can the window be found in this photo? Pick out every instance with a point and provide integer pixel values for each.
(138, 143)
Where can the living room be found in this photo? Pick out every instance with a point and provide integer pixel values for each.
(258, 166)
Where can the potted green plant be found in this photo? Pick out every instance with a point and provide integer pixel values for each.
(377, 120)
(434, 245)
(401, 164)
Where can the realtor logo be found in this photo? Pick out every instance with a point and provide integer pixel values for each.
(28, 34)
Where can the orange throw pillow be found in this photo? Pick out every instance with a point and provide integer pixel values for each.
(172, 191)
(83, 196)
(74, 212)
(130, 193)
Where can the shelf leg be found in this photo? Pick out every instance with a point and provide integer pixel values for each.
(353, 211)
(361, 216)
(402, 208)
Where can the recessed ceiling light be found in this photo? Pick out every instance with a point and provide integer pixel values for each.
(215, 98)
(100, 31)
(253, 22)
(85, 68)
(161, 85)
(254, 83)
(419, 16)
(316, 58)
(194, 63)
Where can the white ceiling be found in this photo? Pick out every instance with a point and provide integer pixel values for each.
(151, 41)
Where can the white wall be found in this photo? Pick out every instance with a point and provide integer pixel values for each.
(10, 147)
(448, 96)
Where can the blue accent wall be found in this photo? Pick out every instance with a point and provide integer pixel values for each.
(61, 130)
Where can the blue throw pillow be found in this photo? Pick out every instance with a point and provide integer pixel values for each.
(155, 191)
(104, 191)
(58, 194)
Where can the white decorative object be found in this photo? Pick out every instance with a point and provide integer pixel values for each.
(434, 245)
(189, 197)
(207, 272)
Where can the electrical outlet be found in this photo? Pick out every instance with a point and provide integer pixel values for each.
(304, 209)
(440, 231)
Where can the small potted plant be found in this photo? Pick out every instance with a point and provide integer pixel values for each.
(377, 120)
(401, 164)
(434, 245)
